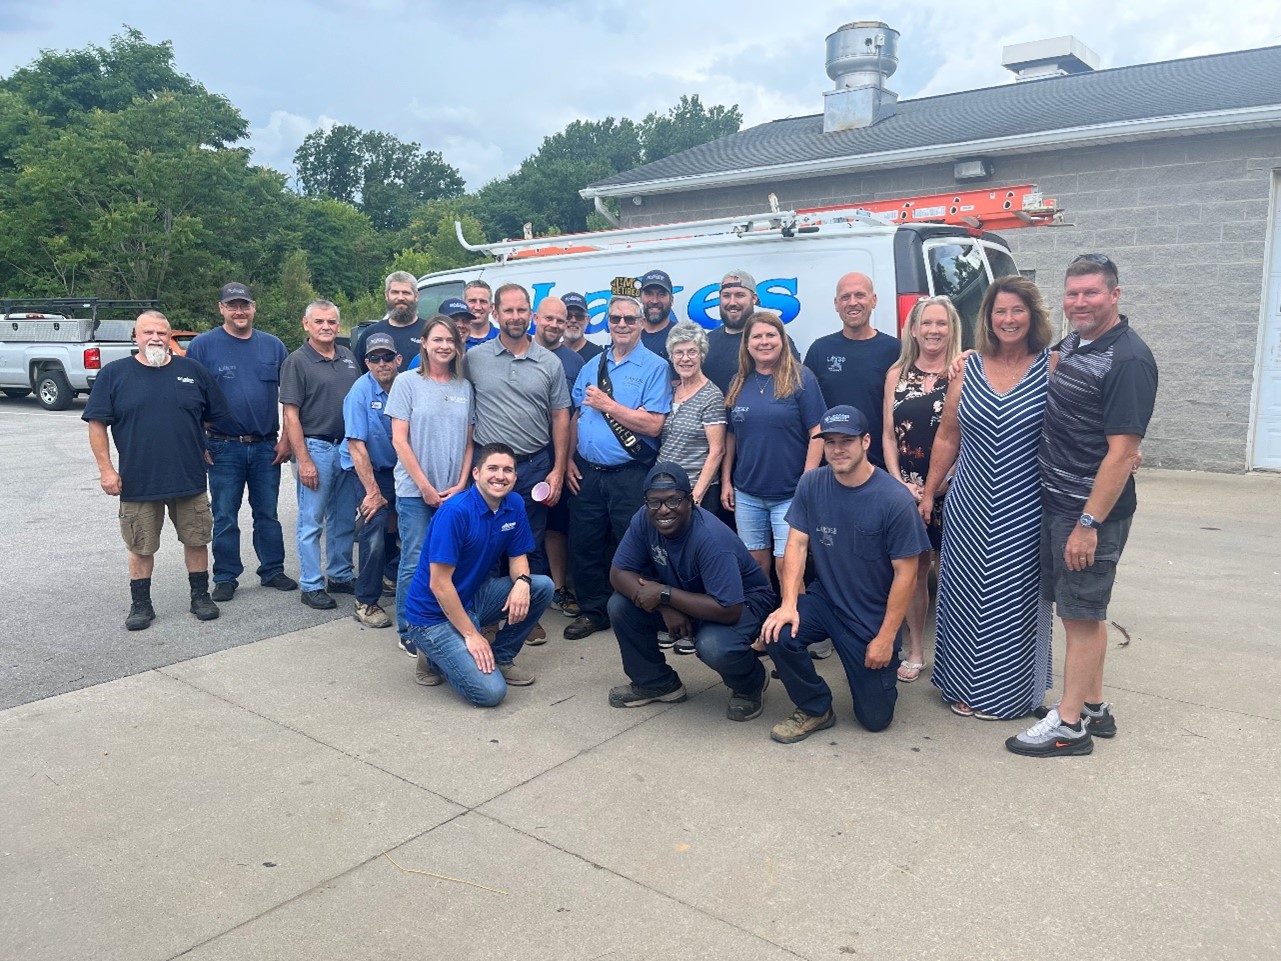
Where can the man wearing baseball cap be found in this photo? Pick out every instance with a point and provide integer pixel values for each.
(864, 532)
(576, 318)
(656, 298)
(245, 447)
(368, 461)
(680, 570)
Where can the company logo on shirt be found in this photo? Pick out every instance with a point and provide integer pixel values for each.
(351, 364)
(659, 554)
(225, 372)
(826, 536)
(836, 364)
(186, 380)
(739, 414)
(509, 526)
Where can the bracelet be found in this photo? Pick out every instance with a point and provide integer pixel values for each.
(524, 577)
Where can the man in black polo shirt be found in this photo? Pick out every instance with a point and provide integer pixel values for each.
(314, 381)
(157, 407)
(1100, 400)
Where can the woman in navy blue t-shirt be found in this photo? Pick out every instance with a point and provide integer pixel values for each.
(774, 407)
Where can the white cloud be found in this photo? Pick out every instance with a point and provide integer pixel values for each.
(275, 142)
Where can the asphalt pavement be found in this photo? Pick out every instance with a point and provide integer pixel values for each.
(261, 788)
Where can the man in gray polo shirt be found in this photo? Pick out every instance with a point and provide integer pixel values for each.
(522, 401)
(314, 381)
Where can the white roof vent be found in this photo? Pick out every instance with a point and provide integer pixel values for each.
(1056, 57)
(860, 57)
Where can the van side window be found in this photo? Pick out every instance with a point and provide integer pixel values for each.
(432, 296)
(957, 271)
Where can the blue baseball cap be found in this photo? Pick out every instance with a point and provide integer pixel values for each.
(453, 307)
(656, 278)
(572, 300)
(843, 419)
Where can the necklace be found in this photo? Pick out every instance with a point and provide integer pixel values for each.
(762, 382)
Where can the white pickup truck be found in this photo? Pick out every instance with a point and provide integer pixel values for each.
(56, 347)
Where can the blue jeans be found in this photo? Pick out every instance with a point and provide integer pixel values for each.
(373, 539)
(759, 520)
(447, 650)
(329, 510)
(414, 517)
(529, 473)
(725, 648)
(875, 692)
(235, 467)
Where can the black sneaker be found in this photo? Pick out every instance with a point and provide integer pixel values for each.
(318, 600)
(665, 642)
(224, 591)
(340, 587)
(203, 607)
(1102, 723)
(745, 707)
(629, 695)
(565, 602)
(140, 616)
(281, 582)
(1050, 737)
(583, 626)
(684, 645)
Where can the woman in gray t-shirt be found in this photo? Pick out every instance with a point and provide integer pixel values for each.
(694, 432)
(431, 411)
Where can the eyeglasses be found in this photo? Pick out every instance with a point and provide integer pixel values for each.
(380, 359)
(623, 319)
(671, 503)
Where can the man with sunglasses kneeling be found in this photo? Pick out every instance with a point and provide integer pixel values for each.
(678, 569)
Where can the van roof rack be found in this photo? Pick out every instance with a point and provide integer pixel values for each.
(989, 209)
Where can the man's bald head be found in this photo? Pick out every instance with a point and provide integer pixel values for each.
(855, 301)
(549, 322)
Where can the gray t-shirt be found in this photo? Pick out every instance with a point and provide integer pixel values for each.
(438, 417)
(684, 437)
(516, 395)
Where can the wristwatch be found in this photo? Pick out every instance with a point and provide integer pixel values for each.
(525, 578)
(1087, 520)
(665, 595)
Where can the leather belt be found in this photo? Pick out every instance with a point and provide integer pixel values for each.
(327, 440)
(242, 438)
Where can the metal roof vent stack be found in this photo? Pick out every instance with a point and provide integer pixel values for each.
(1055, 57)
(861, 56)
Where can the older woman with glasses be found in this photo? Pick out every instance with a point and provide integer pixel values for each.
(992, 645)
(774, 407)
(694, 433)
(915, 390)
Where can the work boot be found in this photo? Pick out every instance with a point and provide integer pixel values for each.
(202, 604)
(224, 590)
(141, 613)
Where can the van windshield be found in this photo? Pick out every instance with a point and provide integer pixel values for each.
(432, 296)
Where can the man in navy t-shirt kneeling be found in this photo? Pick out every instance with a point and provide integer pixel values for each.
(452, 593)
(865, 534)
(679, 569)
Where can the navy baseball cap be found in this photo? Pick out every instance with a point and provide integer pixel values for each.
(453, 307)
(667, 475)
(657, 278)
(843, 419)
(234, 291)
(572, 300)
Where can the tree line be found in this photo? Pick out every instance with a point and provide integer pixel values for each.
(121, 177)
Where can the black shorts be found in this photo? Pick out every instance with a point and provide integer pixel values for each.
(1080, 595)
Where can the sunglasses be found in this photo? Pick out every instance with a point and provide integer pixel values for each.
(380, 359)
(624, 319)
(1099, 260)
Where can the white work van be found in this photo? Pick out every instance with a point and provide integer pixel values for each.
(796, 258)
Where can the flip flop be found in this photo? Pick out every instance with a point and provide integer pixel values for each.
(909, 671)
(961, 708)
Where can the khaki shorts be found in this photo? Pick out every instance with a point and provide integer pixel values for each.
(141, 521)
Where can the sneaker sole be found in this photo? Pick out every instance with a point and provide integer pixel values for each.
(1074, 749)
(671, 697)
(831, 721)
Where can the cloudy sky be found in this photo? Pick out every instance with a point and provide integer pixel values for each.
(484, 82)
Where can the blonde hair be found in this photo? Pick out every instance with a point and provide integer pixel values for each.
(912, 350)
(787, 373)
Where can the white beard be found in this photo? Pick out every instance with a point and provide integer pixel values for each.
(155, 356)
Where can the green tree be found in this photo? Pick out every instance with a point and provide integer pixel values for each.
(379, 174)
(344, 250)
(688, 124)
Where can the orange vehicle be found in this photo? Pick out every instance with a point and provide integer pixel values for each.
(178, 341)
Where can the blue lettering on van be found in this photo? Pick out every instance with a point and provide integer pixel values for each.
(777, 294)
(541, 291)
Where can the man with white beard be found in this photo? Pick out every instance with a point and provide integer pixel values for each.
(157, 407)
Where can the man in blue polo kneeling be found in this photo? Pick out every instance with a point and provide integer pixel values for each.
(452, 592)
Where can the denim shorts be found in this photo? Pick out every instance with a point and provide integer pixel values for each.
(758, 517)
(1080, 595)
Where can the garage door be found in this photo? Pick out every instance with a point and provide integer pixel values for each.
(1267, 391)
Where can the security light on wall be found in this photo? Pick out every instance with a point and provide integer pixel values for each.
(636, 201)
(972, 170)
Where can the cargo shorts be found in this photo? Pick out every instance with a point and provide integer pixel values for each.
(1080, 595)
(141, 521)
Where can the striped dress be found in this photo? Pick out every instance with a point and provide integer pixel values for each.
(992, 648)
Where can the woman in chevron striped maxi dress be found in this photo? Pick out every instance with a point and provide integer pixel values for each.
(992, 643)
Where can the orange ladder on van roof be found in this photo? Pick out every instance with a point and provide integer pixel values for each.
(998, 208)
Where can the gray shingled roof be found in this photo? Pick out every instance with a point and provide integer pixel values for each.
(1228, 81)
